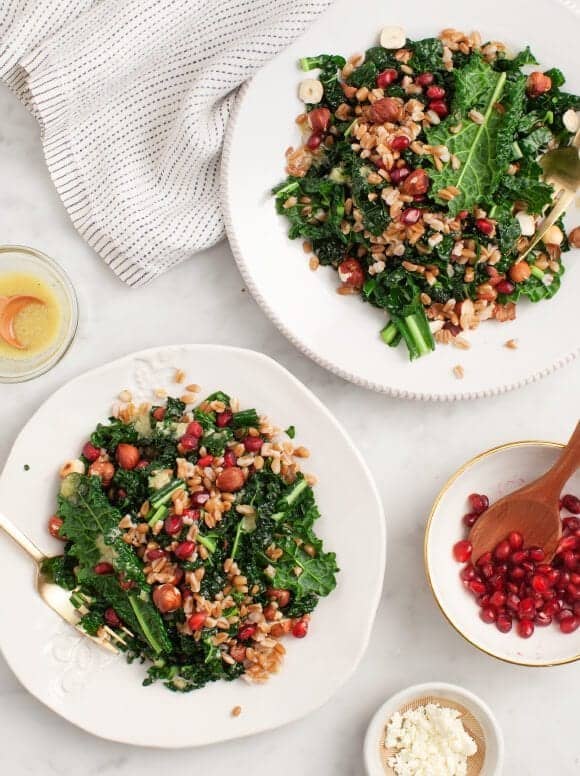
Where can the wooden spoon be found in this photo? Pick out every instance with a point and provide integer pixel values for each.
(532, 510)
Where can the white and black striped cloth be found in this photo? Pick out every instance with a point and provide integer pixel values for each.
(132, 97)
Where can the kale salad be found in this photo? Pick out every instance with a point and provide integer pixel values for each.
(418, 180)
(190, 540)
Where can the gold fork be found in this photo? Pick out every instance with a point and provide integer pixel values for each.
(562, 169)
(54, 596)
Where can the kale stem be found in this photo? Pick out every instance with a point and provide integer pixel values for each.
(536, 271)
(389, 333)
(416, 335)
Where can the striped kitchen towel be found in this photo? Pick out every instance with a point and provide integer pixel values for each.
(133, 98)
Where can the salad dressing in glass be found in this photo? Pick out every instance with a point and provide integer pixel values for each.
(30, 315)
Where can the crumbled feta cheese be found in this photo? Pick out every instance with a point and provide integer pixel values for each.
(431, 741)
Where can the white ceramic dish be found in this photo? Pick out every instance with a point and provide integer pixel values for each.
(100, 692)
(494, 747)
(495, 473)
(342, 333)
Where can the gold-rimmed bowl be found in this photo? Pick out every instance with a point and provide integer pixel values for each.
(496, 473)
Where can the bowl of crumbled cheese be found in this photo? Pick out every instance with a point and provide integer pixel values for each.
(434, 729)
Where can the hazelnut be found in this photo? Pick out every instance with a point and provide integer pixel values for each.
(103, 469)
(538, 83)
(127, 456)
(520, 272)
(487, 292)
(230, 480)
(386, 109)
(167, 598)
(574, 237)
(416, 183)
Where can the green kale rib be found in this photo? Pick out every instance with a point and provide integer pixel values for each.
(483, 149)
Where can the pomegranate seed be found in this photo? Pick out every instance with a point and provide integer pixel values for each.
(253, 444)
(112, 618)
(502, 568)
(141, 465)
(569, 624)
(184, 550)
(410, 216)
(542, 619)
(571, 524)
(125, 584)
(512, 601)
(470, 519)
(398, 174)
(516, 540)
(439, 107)
(551, 608)
(199, 499)
(386, 78)
(505, 287)
(224, 418)
(488, 614)
(479, 502)
(90, 452)
(536, 554)
(519, 556)
(528, 566)
(468, 573)
(525, 628)
(484, 599)
(246, 632)
(573, 592)
(517, 573)
(577, 609)
(319, 119)
(155, 554)
(498, 599)
(188, 443)
(526, 607)
(194, 429)
(424, 79)
(173, 524)
(400, 143)
(476, 587)
(503, 550)
(229, 459)
(300, 629)
(462, 215)
(159, 413)
(569, 559)
(485, 226)
(435, 92)
(192, 514)
(55, 523)
(540, 583)
(571, 503)
(103, 568)
(485, 558)
(567, 543)
(314, 141)
(544, 568)
(197, 621)
(512, 587)
(462, 551)
(205, 460)
(487, 570)
(503, 623)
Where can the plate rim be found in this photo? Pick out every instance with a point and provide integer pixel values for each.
(243, 267)
(440, 495)
(375, 599)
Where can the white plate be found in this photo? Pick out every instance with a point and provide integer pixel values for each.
(494, 746)
(342, 333)
(100, 692)
(495, 473)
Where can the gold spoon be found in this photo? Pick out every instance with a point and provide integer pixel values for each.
(57, 598)
(562, 169)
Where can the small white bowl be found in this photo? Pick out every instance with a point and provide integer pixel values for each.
(492, 735)
(496, 473)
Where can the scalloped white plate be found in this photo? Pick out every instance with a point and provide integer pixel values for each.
(341, 333)
(100, 692)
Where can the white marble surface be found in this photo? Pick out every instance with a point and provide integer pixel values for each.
(411, 449)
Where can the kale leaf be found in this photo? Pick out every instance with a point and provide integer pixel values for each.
(484, 149)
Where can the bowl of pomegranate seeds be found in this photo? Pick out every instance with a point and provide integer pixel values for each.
(513, 602)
